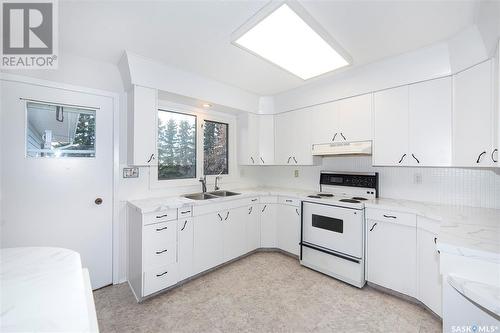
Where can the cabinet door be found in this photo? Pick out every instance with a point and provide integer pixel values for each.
(429, 278)
(253, 228)
(472, 116)
(391, 256)
(248, 143)
(326, 123)
(302, 137)
(268, 222)
(142, 115)
(390, 141)
(266, 139)
(208, 241)
(355, 117)
(430, 123)
(284, 139)
(289, 229)
(185, 251)
(235, 244)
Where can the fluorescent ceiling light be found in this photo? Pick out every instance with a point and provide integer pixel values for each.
(286, 40)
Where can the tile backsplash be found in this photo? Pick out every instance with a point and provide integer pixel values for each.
(454, 186)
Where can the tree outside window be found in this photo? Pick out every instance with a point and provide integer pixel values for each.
(215, 148)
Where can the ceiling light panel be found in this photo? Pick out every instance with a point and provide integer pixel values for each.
(286, 40)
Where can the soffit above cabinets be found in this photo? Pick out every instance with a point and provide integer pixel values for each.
(196, 36)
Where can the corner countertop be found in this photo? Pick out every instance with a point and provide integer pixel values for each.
(466, 231)
(43, 290)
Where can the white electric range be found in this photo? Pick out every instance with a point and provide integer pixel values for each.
(333, 225)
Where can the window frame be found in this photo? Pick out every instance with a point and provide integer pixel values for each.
(227, 146)
(193, 184)
(195, 143)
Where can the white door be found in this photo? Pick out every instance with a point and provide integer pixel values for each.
(248, 132)
(325, 123)
(430, 123)
(429, 278)
(284, 138)
(235, 221)
(53, 201)
(355, 116)
(288, 228)
(390, 142)
(472, 116)
(185, 251)
(268, 219)
(266, 139)
(253, 227)
(208, 249)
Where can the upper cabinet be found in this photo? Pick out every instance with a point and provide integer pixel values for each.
(142, 129)
(293, 142)
(256, 139)
(412, 124)
(475, 129)
(348, 119)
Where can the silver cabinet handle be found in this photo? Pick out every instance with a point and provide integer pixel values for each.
(219, 216)
(343, 137)
(160, 229)
(158, 275)
(262, 160)
(161, 216)
(295, 160)
(184, 226)
(186, 211)
(250, 210)
(227, 215)
(373, 226)
(479, 157)
(416, 159)
(297, 211)
(264, 208)
(288, 161)
(162, 251)
(151, 158)
(402, 158)
(253, 162)
(334, 137)
(253, 200)
(390, 216)
(493, 154)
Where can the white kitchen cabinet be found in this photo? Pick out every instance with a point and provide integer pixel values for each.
(208, 250)
(185, 250)
(355, 118)
(326, 123)
(253, 227)
(256, 139)
(430, 123)
(293, 141)
(288, 228)
(391, 250)
(142, 126)
(429, 279)
(412, 124)
(234, 229)
(268, 224)
(474, 126)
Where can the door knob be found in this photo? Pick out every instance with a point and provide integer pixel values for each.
(98, 201)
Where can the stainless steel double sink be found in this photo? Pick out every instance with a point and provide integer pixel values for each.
(210, 195)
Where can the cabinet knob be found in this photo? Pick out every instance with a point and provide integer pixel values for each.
(98, 201)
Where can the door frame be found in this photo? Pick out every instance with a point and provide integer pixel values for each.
(115, 247)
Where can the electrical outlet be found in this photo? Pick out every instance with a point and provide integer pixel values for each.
(296, 173)
(417, 178)
(131, 172)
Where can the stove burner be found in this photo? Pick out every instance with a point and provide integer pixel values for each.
(314, 196)
(349, 200)
(329, 195)
(359, 198)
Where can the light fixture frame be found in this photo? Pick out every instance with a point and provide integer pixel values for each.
(267, 10)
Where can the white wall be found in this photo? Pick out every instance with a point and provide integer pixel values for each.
(454, 186)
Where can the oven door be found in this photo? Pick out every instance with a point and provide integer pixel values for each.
(335, 228)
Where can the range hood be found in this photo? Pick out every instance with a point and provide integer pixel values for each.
(343, 148)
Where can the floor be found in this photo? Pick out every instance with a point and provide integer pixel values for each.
(264, 292)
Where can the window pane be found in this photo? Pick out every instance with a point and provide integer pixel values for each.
(215, 148)
(59, 131)
(176, 145)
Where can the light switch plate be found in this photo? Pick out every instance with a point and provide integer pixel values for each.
(130, 172)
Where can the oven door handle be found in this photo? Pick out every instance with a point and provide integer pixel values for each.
(317, 248)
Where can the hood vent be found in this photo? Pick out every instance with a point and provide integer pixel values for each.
(343, 148)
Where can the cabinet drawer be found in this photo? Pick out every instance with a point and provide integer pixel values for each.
(289, 201)
(185, 212)
(159, 244)
(159, 278)
(160, 216)
(391, 216)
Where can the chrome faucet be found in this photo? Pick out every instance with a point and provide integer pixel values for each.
(217, 178)
(203, 181)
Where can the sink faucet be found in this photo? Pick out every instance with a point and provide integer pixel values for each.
(203, 181)
(217, 178)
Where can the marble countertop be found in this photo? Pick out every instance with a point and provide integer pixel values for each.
(467, 231)
(43, 290)
(487, 296)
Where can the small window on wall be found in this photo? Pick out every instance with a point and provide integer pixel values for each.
(59, 131)
(176, 145)
(215, 148)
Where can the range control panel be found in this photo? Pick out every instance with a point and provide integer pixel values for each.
(368, 180)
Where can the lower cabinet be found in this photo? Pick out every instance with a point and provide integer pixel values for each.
(429, 278)
(253, 227)
(185, 243)
(208, 250)
(288, 226)
(391, 250)
(268, 225)
(234, 231)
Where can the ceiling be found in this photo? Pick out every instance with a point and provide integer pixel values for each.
(195, 35)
